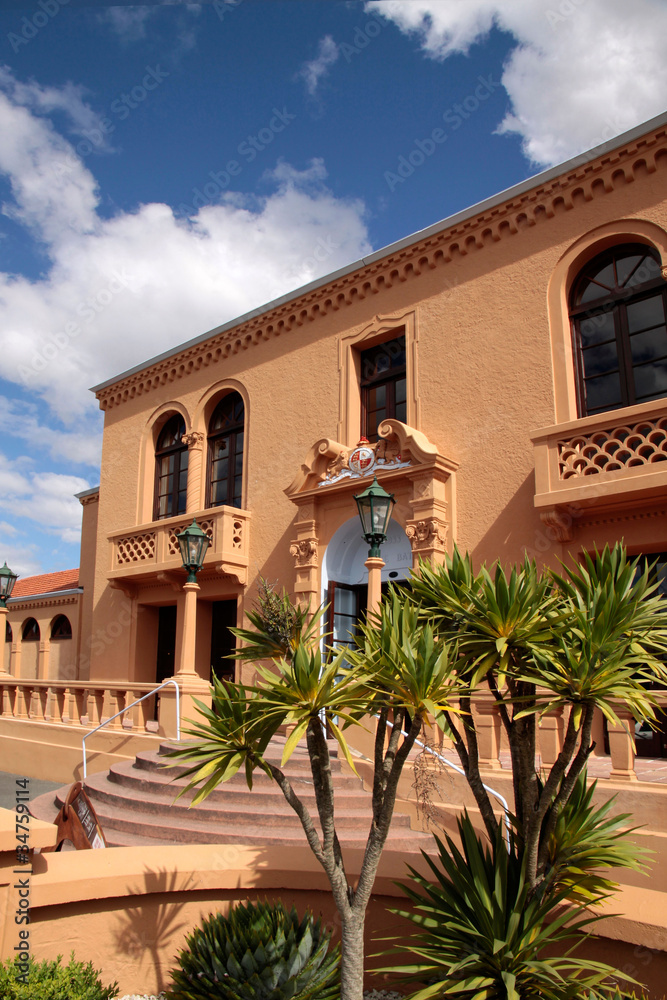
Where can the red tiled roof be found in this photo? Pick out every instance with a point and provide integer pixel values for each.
(28, 586)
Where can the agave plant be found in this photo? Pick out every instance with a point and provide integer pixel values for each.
(259, 952)
(480, 934)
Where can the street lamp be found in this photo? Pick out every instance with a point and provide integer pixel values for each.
(193, 543)
(375, 506)
(7, 581)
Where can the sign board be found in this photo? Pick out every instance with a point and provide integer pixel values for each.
(78, 823)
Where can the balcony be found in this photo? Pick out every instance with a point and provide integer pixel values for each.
(603, 461)
(144, 552)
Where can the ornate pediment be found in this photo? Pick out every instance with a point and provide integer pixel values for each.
(399, 447)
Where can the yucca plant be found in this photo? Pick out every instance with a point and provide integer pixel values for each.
(480, 934)
(259, 952)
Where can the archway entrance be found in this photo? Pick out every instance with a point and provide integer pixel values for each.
(344, 575)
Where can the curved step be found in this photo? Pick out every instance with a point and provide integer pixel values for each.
(136, 804)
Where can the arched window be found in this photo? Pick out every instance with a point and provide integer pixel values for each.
(9, 635)
(225, 453)
(61, 628)
(30, 631)
(618, 311)
(171, 470)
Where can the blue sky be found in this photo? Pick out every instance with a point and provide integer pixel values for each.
(164, 168)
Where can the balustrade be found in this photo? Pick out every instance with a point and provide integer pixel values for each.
(80, 703)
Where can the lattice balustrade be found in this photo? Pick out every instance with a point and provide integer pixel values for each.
(135, 548)
(173, 547)
(237, 534)
(613, 450)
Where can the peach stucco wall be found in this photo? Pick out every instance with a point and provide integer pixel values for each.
(129, 909)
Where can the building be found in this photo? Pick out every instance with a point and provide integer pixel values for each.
(508, 367)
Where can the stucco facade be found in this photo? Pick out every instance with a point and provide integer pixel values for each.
(490, 445)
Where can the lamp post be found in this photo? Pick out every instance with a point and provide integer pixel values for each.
(7, 581)
(193, 543)
(375, 506)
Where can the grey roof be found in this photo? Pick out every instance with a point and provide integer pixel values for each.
(483, 206)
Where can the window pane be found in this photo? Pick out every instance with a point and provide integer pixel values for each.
(598, 360)
(647, 271)
(605, 276)
(383, 358)
(377, 398)
(400, 390)
(346, 601)
(647, 313)
(597, 329)
(650, 345)
(238, 464)
(401, 412)
(603, 393)
(626, 266)
(651, 380)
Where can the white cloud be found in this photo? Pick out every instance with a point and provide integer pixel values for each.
(312, 72)
(20, 420)
(45, 498)
(129, 23)
(581, 72)
(119, 290)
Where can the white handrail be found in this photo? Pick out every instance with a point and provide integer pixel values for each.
(127, 708)
(459, 770)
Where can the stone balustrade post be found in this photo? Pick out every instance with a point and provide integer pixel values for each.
(622, 745)
(487, 723)
(551, 734)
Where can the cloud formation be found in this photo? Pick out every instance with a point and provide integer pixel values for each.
(581, 72)
(46, 498)
(312, 72)
(119, 290)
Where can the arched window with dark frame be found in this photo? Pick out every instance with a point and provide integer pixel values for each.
(171, 470)
(618, 310)
(225, 453)
(61, 628)
(30, 631)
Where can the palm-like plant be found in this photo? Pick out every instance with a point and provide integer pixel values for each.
(480, 933)
(259, 952)
(539, 642)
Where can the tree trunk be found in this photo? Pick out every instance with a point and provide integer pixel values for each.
(352, 956)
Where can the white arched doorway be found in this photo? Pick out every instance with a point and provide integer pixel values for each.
(345, 577)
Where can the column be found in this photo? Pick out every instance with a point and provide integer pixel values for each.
(190, 684)
(374, 566)
(195, 442)
(3, 628)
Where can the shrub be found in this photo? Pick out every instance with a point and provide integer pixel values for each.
(52, 981)
(259, 952)
(480, 932)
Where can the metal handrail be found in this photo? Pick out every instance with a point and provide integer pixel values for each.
(459, 770)
(126, 709)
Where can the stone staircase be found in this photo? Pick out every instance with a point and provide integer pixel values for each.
(136, 804)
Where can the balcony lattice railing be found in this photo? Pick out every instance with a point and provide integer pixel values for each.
(153, 548)
(603, 458)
